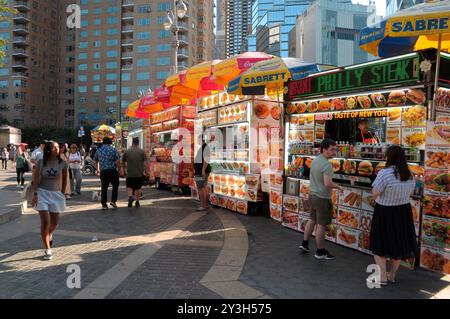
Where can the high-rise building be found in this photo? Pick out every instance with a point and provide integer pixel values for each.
(237, 25)
(393, 6)
(28, 73)
(219, 47)
(328, 32)
(271, 23)
(55, 75)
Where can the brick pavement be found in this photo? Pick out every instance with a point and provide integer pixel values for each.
(165, 250)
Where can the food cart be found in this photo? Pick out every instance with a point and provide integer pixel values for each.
(168, 131)
(243, 135)
(393, 94)
(100, 132)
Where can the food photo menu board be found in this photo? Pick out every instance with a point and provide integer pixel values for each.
(435, 237)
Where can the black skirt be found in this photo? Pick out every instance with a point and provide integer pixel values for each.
(392, 233)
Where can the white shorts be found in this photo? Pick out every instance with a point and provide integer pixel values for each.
(50, 201)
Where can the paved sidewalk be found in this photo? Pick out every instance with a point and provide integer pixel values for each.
(12, 206)
(166, 249)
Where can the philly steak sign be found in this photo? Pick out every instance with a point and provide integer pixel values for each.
(404, 70)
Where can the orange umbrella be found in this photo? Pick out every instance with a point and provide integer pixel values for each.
(199, 76)
(131, 110)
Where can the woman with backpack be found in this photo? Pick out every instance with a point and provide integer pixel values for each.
(74, 159)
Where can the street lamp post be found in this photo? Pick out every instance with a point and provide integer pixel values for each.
(171, 24)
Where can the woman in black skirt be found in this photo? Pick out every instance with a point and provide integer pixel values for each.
(392, 234)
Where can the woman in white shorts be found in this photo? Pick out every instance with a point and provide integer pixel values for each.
(48, 197)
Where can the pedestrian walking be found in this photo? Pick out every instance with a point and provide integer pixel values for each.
(202, 169)
(134, 164)
(108, 164)
(63, 153)
(74, 160)
(392, 234)
(321, 207)
(82, 153)
(13, 155)
(5, 158)
(38, 153)
(21, 165)
(48, 197)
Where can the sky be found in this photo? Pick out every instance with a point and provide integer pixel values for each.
(381, 5)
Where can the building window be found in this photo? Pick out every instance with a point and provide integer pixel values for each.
(111, 43)
(82, 67)
(96, 66)
(143, 76)
(163, 34)
(111, 88)
(4, 84)
(83, 100)
(97, 10)
(82, 78)
(143, 48)
(97, 21)
(145, 21)
(163, 47)
(161, 75)
(113, 20)
(83, 45)
(82, 89)
(126, 90)
(97, 44)
(84, 23)
(144, 9)
(96, 77)
(113, 9)
(111, 76)
(96, 88)
(96, 55)
(163, 7)
(163, 61)
(143, 62)
(112, 54)
(111, 99)
(126, 76)
(144, 35)
(111, 65)
(113, 31)
(82, 56)
(83, 34)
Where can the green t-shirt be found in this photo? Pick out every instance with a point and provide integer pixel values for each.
(135, 159)
(20, 161)
(320, 167)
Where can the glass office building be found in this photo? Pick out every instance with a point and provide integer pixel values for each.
(272, 20)
(392, 6)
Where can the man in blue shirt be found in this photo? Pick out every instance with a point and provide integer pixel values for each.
(108, 164)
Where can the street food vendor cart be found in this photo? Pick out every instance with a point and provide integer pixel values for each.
(393, 95)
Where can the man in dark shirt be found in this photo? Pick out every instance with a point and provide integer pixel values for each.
(202, 169)
(364, 135)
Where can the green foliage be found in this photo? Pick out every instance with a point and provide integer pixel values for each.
(5, 12)
(33, 136)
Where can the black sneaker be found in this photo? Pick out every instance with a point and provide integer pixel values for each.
(324, 255)
(113, 205)
(137, 204)
(130, 202)
(304, 247)
(104, 207)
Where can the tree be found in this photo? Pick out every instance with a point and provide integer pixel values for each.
(4, 120)
(5, 12)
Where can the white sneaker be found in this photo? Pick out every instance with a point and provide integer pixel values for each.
(48, 254)
(21, 188)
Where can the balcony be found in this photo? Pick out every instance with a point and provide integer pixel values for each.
(127, 42)
(127, 16)
(127, 3)
(182, 54)
(20, 41)
(127, 29)
(20, 53)
(183, 27)
(21, 5)
(127, 67)
(20, 74)
(183, 40)
(20, 29)
(19, 66)
(127, 55)
(21, 18)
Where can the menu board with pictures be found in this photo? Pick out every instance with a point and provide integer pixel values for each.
(396, 98)
(435, 235)
(233, 113)
(414, 137)
(443, 100)
(208, 118)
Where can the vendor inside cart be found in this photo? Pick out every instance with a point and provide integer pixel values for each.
(364, 134)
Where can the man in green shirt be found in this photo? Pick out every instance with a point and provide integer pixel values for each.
(135, 161)
(321, 207)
